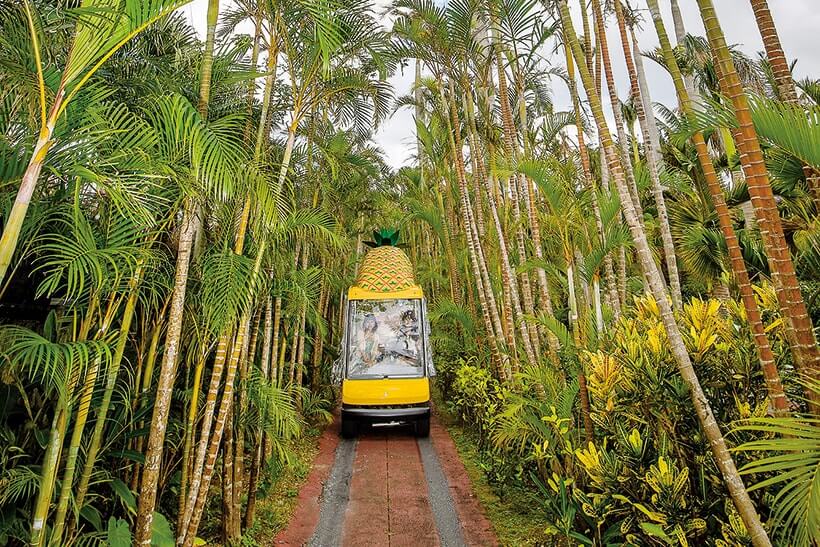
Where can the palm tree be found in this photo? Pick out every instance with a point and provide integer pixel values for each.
(704, 412)
(646, 119)
(737, 263)
(800, 331)
(782, 73)
(88, 52)
(429, 40)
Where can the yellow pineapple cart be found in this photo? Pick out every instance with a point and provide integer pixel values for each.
(386, 358)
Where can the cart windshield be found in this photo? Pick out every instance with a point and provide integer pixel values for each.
(384, 339)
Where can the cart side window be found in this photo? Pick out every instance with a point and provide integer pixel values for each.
(428, 337)
(384, 339)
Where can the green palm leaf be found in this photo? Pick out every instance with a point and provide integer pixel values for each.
(795, 462)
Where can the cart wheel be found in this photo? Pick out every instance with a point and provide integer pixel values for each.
(349, 428)
(423, 427)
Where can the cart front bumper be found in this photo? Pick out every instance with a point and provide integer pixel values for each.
(386, 414)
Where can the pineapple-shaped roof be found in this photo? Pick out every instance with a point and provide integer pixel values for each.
(385, 269)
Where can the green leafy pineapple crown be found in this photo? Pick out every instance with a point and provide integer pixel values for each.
(384, 237)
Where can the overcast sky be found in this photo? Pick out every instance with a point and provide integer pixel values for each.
(798, 22)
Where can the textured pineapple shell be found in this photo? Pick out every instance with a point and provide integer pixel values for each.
(385, 269)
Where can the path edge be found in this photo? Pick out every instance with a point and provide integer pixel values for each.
(305, 518)
(468, 507)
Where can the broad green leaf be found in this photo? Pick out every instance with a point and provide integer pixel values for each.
(125, 494)
(161, 534)
(119, 534)
(92, 515)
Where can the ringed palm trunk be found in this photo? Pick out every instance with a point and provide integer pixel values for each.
(782, 77)
(203, 475)
(615, 104)
(777, 397)
(228, 463)
(84, 406)
(224, 340)
(110, 384)
(535, 224)
(486, 298)
(511, 300)
(707, 420)
(646, 118)
(609, 270)
(14, 222)
(48, 472)
(800, 331)
(190, 427)
(511, 149)
(455, 288)
(774, 51)
(165, 385)
(680, 36)
(256, 463)
(51, 458)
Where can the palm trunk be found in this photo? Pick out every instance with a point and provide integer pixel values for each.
(774, 52)
(615, 104)
(48, 474)
(229, 459)
(240, 410)
(207, 422)
(722, 456)
(782, 77)
(680, 36)
(83, 409)
(583, 392)
(110, 384)
(646, 119)
(510, 294)
(511, 148)
(142, 386)
(609, 270)
(318, 342)
(486, 297)
(766, 357)
(294, 349)
(203, 471)
(253, 478)
(165, 385)
(799, 328)
(17, 215)
(162, 405)
(282, 349)
(276, 373)
(190, 427)
(535, 225)
(253, 484)
(267, 341)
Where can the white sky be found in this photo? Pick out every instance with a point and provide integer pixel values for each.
(798, 22)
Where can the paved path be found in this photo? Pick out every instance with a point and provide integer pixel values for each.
(387, 488)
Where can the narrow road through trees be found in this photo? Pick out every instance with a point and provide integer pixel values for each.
(388, 488)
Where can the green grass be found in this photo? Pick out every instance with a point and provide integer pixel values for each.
(514, 513)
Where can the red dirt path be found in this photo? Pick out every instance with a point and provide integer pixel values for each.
(388, 499)
(306, 516)
(475, 526)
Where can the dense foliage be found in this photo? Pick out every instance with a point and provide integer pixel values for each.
(623, 311)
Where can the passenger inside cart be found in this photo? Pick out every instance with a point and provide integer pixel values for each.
(385, 339)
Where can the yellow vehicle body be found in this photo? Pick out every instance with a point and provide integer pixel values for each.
(391, 391)
(383, 281)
